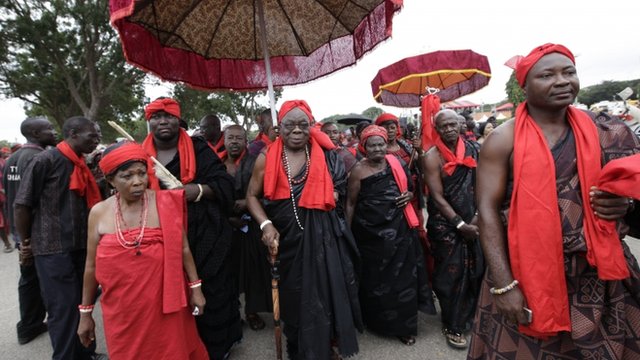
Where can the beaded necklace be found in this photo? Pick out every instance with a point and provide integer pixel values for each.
(285, 161)
(142, 224)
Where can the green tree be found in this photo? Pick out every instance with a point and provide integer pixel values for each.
(607, 90)
(241, 108)
(515, 94)
(62, 58)
(372, 112)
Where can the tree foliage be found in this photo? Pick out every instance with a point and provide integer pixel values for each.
(372, 112)
(607, 90)
(241, 108)
(515, 94)
(62, 58)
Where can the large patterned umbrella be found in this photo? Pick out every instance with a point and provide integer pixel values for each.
(454, 73)
(219, 44)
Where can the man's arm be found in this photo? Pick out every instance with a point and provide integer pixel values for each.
(492, 176)
(270, 235)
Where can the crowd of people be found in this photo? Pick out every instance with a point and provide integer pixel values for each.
(514, 232)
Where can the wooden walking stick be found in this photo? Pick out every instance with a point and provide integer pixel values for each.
(275, 277)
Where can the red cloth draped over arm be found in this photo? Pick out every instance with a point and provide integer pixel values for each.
(401, 179)
(536, 252)
(171, 206)
(82, 180)
(430, 106)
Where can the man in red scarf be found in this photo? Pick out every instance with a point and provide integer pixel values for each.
(559, 282)
(450, 173)
(266, 135)
(52, 205)
(211, 130)
(346, 153)
(209, 194)
(299, 181)
(384, 223)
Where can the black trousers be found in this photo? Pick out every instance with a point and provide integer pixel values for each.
(61, 277)
(32, 310)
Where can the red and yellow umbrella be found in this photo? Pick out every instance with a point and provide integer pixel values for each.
(454, 72)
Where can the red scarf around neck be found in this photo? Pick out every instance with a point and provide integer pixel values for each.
(218, 148)
(82, 180)
(185, 151)
(453, 160)
(318, 189)
(401, 179)
(535, 229)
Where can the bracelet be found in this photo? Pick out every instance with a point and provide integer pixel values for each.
(195, 284)
(85, 309)
(505, 289)
(200, 193)
(460, 224)
(265, 223)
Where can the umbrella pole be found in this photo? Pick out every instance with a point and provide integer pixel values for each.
(275, 294)
(267, 61)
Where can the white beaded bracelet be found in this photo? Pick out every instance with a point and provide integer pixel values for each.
(505, 289)
(265, 223)
(200, 193)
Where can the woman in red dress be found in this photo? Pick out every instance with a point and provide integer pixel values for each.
(138, 252)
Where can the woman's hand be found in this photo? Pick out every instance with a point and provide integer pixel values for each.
(197, 300)
(86, 330)
(404, 198)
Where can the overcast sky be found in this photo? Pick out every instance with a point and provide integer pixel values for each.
(603, 35)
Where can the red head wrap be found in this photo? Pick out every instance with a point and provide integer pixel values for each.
(384, 117)
(294, 104)
(318, 190)
(5, 150)
(129, 151)
(522, 65)
(369, 131)
(167, 105)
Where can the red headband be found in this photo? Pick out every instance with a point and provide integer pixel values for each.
(386, 117)
(120, 155)
(167, 105)
(294, 104)
(522, 65)
(369, 131)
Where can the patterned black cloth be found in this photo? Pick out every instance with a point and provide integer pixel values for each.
(209, 235)
(60, 215)
(458, 263)
(318, 284)
(394, 284)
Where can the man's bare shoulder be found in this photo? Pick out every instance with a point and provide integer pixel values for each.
(500, 141)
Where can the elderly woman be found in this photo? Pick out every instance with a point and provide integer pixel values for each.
(394, 285)
(299, 181)
(137, 251)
